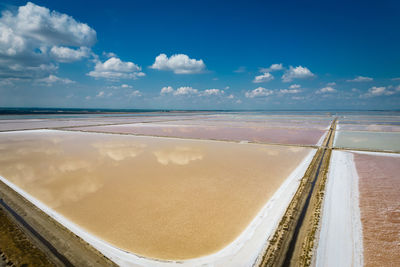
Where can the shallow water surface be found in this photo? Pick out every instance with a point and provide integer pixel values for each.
(252, 133)
(376, 141)
(380, 208)
(156, 197)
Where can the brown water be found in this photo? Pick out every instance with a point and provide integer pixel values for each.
(380, 208)
(249, 133)
(157, 197)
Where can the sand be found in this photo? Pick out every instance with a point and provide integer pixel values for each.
(253, 133)
(155, 197)
(340, 239)
(380, 207)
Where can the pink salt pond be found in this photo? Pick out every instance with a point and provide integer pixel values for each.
(229, 133)
(379, 187)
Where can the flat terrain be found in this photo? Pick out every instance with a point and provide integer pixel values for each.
(380, 207)
(156, 197)
(203, 188)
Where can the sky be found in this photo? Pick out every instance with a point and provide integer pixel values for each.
(271, 55)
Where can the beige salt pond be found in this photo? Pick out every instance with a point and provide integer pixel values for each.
(160, 198)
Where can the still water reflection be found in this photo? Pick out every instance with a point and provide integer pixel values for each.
(156, 197)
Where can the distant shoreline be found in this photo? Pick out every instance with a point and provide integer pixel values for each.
(80, 111)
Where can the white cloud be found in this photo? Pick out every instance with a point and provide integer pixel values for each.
(290, 91)
(295, 86)
(231, 96)
(109, 54)
(327, 89)
(52, 79)
(66, 54)
(298, 72)
(123, 86)
(258, 92)
(209, 92)
(361, 79)
(115, 69)
(179, 64)
(265, 77)
(273, 67)
(51, 27)
(378, 91)
(28, 35)
(396, 79)
(186, 90)
(167, 90)
(331, 84)
(135, 93)
(100, 94)
(241, 69)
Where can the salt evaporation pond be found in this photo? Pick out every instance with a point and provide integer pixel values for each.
(370, 127)
(155, 197)
(230, 133)
(380, 207)
(375, 141)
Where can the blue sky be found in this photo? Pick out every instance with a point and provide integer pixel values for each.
(200, 54)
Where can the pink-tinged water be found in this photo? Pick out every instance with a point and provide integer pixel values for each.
(252, 134)
(380, 208)
(25, 124)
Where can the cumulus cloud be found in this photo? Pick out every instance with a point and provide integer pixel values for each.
(290, 91)
(327, 89)
(167, 90)
(135, 93)
(100, 94)
(186, 90)
(273, 67)
(109, 54)
(122, 86)
(52, 79)
(66, 54)
(258, 92)
(361, 79)
(379, 91)
(209, 92)
(295, 86)
(179, 64)
(331, 84)
(265, 77)
(115, 69)
(33, 38)
(298, 72)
